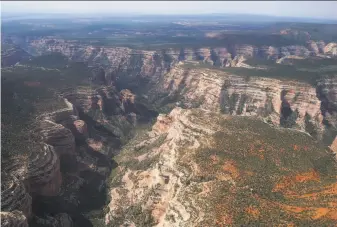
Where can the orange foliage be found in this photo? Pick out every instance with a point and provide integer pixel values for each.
(260, 152)
(296, 148)
(225, 220)
(289, 181)
(316, 212)
(254, 212)
(309, 176)
(229, 166)
(329, 190)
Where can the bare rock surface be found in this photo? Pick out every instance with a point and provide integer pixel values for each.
(152, 63)
(257, 96)
(44, 174)
(13, 219)
(188, 171)
(58, 136)
(14, 197)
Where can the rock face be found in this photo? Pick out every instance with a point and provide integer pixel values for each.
(286, 103)
(57, 136)
(195, 165)
(14, 197)
(327, 92)
(165, 179)
(104, 105)
(44, 174)
(122, 61)
(13, 219)
(81, 128)
(331, 49)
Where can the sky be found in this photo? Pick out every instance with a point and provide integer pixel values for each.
(310, 9)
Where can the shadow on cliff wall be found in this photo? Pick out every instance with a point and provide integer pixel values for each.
(288, 117)
(328, 109)
(84, 202)
(84, 194)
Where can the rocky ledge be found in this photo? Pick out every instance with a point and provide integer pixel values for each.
(14, 197)
(58, 136)
(44, 174)
(152, 62)
(281, 102)
(201, 168)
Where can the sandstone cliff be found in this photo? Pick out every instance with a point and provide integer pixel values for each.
(44, 174)
(146, 63)
(281, 102)
(201, 168)
(57, 136)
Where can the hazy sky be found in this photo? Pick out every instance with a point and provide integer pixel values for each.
(316, 9)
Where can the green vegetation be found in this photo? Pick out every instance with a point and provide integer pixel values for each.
(272, 169)
(53, 60)
(136, 214)
(28, 91)
(275, 71)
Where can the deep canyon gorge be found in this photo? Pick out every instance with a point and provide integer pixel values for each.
(234, 135)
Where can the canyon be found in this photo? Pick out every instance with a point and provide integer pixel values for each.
(170, 137)
(229, 56)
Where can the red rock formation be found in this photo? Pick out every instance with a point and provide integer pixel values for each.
(81, 127)
(163, 123)
(95, 145)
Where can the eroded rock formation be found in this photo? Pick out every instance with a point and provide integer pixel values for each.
(81, 128)
(58, 136)
(163, 176)
(13, 219)
(44, 174)
(154, 63)
(14, 197)
(195, 165)
(283, 102)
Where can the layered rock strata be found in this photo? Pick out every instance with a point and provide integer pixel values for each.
(195, 167)
(13, 219)
(256, 96)
(153, 62)
(163, 176)
(44, 174)
(14, 197)
(58, 136)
